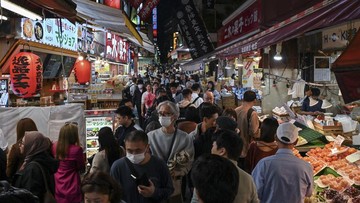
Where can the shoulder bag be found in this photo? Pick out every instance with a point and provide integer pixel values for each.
(48, 196)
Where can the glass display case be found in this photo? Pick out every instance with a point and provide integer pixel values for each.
(95, 120)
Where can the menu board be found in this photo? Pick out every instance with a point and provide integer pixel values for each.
(53, 31)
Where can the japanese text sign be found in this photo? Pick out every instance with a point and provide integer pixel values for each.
(116, 48)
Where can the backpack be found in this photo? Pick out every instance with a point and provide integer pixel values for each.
(126, 92)
(183, 112)
(10, 194)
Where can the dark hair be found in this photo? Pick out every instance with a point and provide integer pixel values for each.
(173, 84)
(140, 81)
(215, 178)
(108, 143)
(229, 112)
(212, 85)
(249, 96)
(230, 141)
(206, 111)
(315, 91)
(137, 135)
(307, 88)
(24, 124)
(159, 91)
(103, 183)
(124, 111)
(155, 83)
(192, 114)
(153, 125)
(195, 87)
(124, 101)
(268, 130)
(186, 92)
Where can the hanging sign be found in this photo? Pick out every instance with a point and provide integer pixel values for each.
(339, 37)
(322, 72)
(26, 74)
(116, 48)
(246, 22)
(147, 8)
(193, 29)
(56, 32)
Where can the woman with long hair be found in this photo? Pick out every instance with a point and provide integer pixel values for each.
(35, 148)
(109, 151)
(70, 154)
(15, 159)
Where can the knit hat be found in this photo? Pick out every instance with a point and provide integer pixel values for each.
(225, 122)
(287, 133)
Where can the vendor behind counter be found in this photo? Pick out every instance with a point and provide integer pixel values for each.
(312, 104)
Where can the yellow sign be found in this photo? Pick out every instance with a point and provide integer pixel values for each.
(93, 99)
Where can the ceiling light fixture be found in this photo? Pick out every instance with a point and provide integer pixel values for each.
(80, 57)
(278, 56)
(19, 10)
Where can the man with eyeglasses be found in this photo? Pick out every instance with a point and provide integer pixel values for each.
(124, 117)
(172, 145)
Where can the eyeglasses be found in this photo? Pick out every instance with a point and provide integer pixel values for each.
(166, 114)
(72, 123)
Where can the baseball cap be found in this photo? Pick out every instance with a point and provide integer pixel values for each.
(287, 133)
(225, 122)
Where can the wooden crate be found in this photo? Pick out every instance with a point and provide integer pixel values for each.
(329, 129)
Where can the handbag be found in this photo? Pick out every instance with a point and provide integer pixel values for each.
(48, 196)
(12, 194)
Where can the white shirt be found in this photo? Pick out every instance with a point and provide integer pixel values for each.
(198, 101)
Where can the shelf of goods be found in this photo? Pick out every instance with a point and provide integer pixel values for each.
(93, 125)
(336, 173)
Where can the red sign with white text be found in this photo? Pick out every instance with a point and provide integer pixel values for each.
(146, 10)
(116, 48)
(246, 22)
(113, 3)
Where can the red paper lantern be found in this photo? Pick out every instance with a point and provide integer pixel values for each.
(82, 71)
(26, 74)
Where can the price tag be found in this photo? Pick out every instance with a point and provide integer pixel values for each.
(93, 99)
(338, 141)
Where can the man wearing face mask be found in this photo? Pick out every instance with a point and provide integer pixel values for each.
(139, 90)
(172, 145)
(137, 152)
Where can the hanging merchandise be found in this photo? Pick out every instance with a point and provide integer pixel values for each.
(26, 74)
(82, 71)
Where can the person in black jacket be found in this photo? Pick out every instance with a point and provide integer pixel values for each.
(36, 148)
(139, 90)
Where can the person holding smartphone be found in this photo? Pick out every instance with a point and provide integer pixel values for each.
(144, 178)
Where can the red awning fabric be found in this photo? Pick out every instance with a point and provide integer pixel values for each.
(347, 71)
(323, 14)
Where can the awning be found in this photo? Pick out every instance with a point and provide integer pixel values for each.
(147, 44)
(347, 71)
(323, 14)
(61, 8)
(107, 17)
(34, 46)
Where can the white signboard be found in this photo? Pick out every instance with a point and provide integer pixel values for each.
(56, 32)
(339, 36)
(322, 68)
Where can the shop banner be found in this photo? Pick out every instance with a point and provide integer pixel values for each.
(56, 32)
(339, 37)
(145, 11)
(154, 21)
(90, 42)
(193, 29)
(116, 48)
(246, 22)
(248, 73)
(135, 3)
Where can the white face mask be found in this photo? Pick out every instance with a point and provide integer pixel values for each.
(136, 158)
(140, 86)
(165, 121)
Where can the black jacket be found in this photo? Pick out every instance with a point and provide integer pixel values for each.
(31, 178)
(122, 131)
(2, 165)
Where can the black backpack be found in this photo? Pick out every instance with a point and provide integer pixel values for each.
(126, 92)
(10, 194)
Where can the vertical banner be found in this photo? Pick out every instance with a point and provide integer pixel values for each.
(193, 29)
(116, 48)
(147, 8)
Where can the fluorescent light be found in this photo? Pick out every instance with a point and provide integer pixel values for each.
(278, 57)
(3, 17)
(19, 10)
